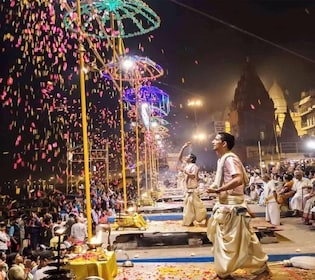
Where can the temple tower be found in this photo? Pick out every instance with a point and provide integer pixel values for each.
(252, 115)
(280, 104)
(289, 132)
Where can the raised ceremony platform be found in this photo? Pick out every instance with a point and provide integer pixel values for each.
(165, 229)
(292, 238)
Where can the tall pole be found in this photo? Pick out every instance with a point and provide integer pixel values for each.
(67, 183)
(107, 165)
(122, 133)
(84, 128)
(150, 165)
(137, 143)
(146, 164)
(120, 49)
(260, 160)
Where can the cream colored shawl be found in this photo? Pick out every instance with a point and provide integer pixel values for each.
(218, 180)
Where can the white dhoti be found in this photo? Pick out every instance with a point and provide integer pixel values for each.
(235, 245)
(273, 213)
(194, 209)
(296, 202)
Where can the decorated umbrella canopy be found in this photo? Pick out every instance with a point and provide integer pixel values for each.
(132, 18)
(111, 20)
(157, 99)
(134, 69)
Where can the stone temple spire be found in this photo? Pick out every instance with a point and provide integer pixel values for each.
(289, 132)
(280, 104)
(252, 109)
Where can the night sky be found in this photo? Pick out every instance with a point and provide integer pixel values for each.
(201, 44)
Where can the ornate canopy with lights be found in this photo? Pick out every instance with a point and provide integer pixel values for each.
(131, 18)
(133, 69)
(157, 98)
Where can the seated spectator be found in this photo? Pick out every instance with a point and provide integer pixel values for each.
(16, 267)
(300, 187)
(104, 217)
(4, 266)
(3, 273)
(285, 192)
(67, 242)
(44, 260)
(28, 268)
(309, 204)
(253, 194)
(79, 231)
(16, 273)
(4, 238)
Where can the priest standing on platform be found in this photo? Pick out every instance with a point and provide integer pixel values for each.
(235, 245)
(194, 210)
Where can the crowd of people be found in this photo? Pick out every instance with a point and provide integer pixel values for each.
(27, 233)
(284, 195)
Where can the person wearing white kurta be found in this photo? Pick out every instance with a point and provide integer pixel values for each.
(299, 186)
(272, 206)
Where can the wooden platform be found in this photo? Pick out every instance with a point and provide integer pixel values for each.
(172, 232)
(258, 224)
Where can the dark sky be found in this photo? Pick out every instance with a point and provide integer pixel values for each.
(189, 33)
(202, 46)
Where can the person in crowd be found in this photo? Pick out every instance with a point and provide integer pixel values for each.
(95, 218)
(46, 230)
(4, 268)
(69, 223)
(309, 204)
(104, 217)
(272, 206)
(67, 242)
(28, 268)
(57, 224)
(33, 229)
(194, 210)
(21, 223)
(4, 238)
(79, 231)
(235, 245)
(3, 274)
(300, 187)
(16, 267)
(254, 179)
(253, 193)
(285, 192)
(14, 233)
(45, 259)
(16, 273)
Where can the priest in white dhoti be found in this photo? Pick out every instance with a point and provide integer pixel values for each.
(270, 201)
(194, 209)
(235, 245)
